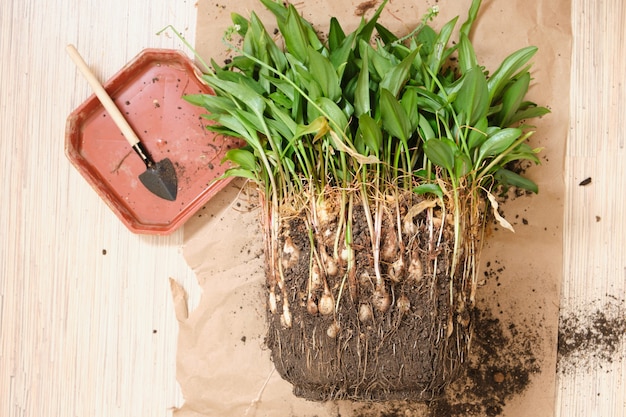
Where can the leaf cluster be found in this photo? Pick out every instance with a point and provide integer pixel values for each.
(368, 107)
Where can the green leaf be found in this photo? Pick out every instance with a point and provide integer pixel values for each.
(243, 92)
(498, 143)
(219, 129)
(512, 98)
(425, 174)
(283, 117)
(370, 134)
(509, 67)
(366, 29)
(336, 117)
(394, 117)
(243, 158)
(385, 34)
(440, 50)
(529, 113)
(441, 152)
(466, 27)
(285, 14)
(478, 133)
(523, 151)
(362, 92)
(426, 130)
(472, 99)
(252, 120)
(467, 56)
(241, 173)
(304, 78)
(462, 164)
(398, 75)
(409, 102)
(276, 54)
(429, 101)
(324, 74)
(277, 8)
(342, 56)
(241, 22)
(427, 38)
(336, 35)
(294, 34)
(508, 178)
(379, 65)
(428, 189)
(238, 127)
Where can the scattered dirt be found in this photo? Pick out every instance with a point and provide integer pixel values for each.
(501, 366)
(592, 338)
(502, 363)
(363, 7)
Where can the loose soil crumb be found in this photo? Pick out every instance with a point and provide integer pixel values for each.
(363, 7)
(592, 338)
(501, 366)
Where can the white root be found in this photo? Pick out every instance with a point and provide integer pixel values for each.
(285, 319)
(450, 329)
(272, 301)
(329, 263)
(311, 307)
(315, 282)
(365, 313)
(381, 298)
(390, 247)
(377, 233)
(365, 279)
(316, 278)
(396, 272)
(345, 254)
(410, 228)
(333, 330)
(415, 271)
(403, 303)
(326, 305)
(323, 213)
(291, 254)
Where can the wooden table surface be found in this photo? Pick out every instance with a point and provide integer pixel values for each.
(87, 324)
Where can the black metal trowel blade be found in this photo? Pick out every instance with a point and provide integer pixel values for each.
(160, 179)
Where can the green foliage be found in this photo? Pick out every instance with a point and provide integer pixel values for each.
(364, 109)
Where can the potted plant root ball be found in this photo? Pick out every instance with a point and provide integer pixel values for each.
(377, 157)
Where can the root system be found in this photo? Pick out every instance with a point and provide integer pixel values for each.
(361, 316)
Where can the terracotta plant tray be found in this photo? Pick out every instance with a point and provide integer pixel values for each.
(149, 91)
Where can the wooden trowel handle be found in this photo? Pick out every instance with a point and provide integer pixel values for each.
(103, 96)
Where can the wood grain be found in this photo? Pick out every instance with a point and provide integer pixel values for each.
(87, 322)
(595, 214)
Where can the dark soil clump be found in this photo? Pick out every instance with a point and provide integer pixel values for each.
(410, 348)
(501, 366)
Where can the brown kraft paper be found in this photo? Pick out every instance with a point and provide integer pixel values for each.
(223, 366)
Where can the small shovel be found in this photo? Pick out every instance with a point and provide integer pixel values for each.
(159, 177)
